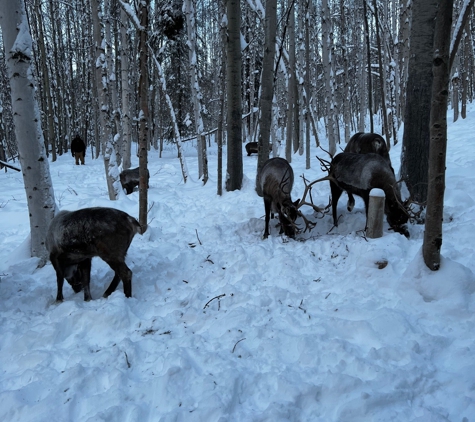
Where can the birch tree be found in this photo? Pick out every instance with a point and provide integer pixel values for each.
(327, 57)
(34, 163)
(125, 112)
(189, 9)
(102, 82)
(292, 138)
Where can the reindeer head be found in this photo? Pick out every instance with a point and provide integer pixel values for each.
(397, 218)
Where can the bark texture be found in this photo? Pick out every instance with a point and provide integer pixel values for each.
(34, 163)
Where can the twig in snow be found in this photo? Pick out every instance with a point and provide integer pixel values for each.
(198, 237)
(239, 341)
(217, 297)
(127, 360)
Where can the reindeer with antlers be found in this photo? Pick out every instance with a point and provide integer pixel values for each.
(274, 183)
(358, 174)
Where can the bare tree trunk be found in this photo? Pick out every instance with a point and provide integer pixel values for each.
(415, 157)
(438, 136)
(267, 84)
(368, 55)
(382, 78)
(114, 116)
(466, 71)
(124, 68)
(222, 89)
(102, 94)
(143, 114)
(346, 76)
(307, 85)
(327, 52)
(196, 92)
(50, 141)
(26, 117)
(291, 144)
(403, 50)
(234, 112)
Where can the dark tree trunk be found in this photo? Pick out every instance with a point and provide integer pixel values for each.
(438, 136)
(143, 116)
(267, 84)
(415, 155)
(234, 112)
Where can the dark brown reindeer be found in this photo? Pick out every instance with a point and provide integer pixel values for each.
(75, 237)
(274, 183)
(252, 147)
(365, 143)
(358, 174)
(130, 178)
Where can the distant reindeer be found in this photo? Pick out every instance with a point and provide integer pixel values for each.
(357, 174)
(365, 143)
(274, 183)
(130, 178)
(75, 237)
(251, 147)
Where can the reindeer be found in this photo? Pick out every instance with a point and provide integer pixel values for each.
(130, 178)
(75, 237)
(274, 183)
(358, 174)
(365, 143)
(251, 147)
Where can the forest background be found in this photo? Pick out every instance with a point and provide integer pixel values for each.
(135, 75)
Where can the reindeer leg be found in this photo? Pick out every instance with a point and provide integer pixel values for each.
(122, 272)
(84, 268)
(59, 277)
(267, 206)
(336, 192)
(351, 202)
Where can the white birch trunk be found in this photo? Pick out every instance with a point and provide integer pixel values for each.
(110, 164)
(189, 10)
(291, 137)
(124, 69)
(36, 176)
(327, 43)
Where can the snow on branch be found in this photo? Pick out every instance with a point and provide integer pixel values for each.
(131, 14)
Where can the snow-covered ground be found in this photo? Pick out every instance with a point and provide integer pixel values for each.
(225, 326)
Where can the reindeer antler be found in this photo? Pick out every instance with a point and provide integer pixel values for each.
(308, 189)
(309, 225)
(406, 205)
(325, 165)
(284, 181)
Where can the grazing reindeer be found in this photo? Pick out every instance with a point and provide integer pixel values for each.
(75, 237)
(130, 178)
(358, 174)
(274, 183)
(365, 143)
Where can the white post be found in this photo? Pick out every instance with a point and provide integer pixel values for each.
(374, 223)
